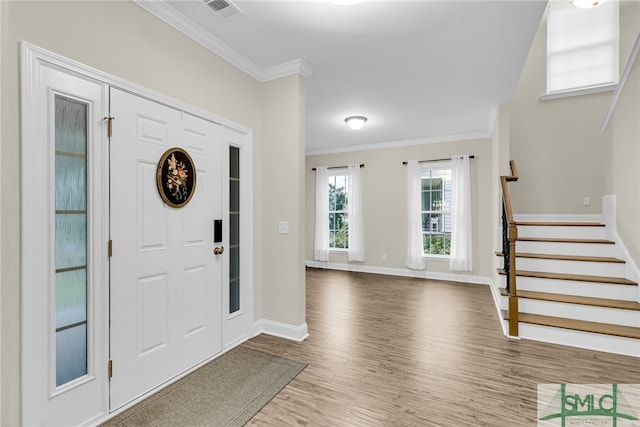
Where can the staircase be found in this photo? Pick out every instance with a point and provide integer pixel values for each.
(571, 289)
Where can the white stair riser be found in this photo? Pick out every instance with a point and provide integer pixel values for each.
(571, 287)
(589, 313)
(571, 267)
(599, 342)
(576, 232)
(562, 248)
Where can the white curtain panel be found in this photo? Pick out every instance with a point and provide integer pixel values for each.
(415, 250)
(461, 218)
(354, 211)
(321, 252)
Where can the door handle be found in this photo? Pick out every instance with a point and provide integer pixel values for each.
(218, 250)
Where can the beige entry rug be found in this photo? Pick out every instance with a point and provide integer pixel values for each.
(227, 391)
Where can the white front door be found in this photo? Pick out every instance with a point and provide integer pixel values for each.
(165, 287)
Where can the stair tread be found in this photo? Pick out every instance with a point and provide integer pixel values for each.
(568, 257)
(561, 223)
(573, 277)
(564, 240)
(577, 325)
(577, 299)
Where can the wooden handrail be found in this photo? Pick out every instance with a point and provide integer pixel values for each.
(510, 235)
(504, 179)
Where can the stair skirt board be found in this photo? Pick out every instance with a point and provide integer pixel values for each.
(580, 339)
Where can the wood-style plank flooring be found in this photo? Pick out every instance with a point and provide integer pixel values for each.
(393, 351)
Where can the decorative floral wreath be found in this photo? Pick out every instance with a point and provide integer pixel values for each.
(176, 177)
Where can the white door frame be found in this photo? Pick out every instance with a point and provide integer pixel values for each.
(32, 60)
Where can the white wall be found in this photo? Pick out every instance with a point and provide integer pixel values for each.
(121, 39)
(385, 200)
(556, 144)
(283, 200)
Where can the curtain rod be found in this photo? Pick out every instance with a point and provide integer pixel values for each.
(436, 160)
(339, 167)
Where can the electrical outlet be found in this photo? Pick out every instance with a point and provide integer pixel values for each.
(586, 201)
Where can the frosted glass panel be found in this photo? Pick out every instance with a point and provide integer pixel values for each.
(71, 354)
(234, 261)
(71, 179)
(71, 126)
(234, 229)
(71, 297)
(234, 162)
(234, 296)
(234, 196)
(71, 240)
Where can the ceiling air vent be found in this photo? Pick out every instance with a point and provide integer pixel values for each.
(224, 8)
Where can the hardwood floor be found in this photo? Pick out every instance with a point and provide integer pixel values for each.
(394, 351)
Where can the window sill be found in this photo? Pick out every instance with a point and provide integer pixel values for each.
(578, 92)
(339, 250)
(436, 257)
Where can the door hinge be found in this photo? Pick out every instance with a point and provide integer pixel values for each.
(110, 368)
(110, 248)
(109, 125)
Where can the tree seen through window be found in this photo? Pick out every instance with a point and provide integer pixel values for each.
(338, 221)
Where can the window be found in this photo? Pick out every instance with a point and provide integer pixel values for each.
(234, 229)
(582, 46)
(338, 212)
(436, 209)
(71, 264)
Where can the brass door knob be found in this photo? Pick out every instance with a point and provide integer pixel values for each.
(218, 250)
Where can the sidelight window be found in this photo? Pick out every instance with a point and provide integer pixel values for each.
(70, 239)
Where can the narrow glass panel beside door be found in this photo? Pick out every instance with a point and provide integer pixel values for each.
(70, 239)
(234, 229)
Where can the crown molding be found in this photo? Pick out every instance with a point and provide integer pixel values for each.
(297, 66)
(161, 10)
(484, 134)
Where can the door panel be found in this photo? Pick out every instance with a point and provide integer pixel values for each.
(165, 279)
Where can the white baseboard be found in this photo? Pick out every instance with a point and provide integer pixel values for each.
(402, 272)
(282, 330)
(631, 268)
(495, 293)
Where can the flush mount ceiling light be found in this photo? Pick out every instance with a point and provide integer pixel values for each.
(356, 122)
(586, 4)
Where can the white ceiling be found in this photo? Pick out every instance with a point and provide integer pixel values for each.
(419, 70)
